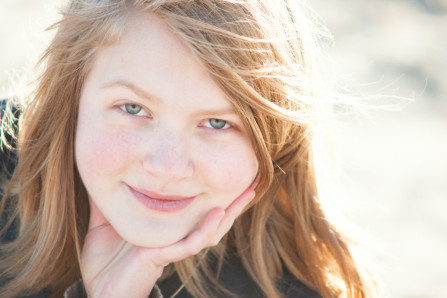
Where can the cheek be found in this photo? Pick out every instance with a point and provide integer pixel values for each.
(231, 168)
(101, 149)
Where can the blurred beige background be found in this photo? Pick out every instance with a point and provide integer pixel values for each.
(395, 166)
(394, 170)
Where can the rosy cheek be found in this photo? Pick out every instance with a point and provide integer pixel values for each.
(230, 167)
(237, 173)
(104, 149)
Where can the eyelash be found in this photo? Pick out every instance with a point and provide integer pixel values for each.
(123, 107)
(226, 126)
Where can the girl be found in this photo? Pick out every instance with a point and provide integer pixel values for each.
(166, 151)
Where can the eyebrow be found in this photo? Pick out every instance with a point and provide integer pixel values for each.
(223, 112)
(137, 90)
(142, 93)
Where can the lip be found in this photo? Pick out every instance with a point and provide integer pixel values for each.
(158, 202)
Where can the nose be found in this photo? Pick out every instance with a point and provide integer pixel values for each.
(167, 156)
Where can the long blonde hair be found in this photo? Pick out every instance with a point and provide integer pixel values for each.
(263, 55)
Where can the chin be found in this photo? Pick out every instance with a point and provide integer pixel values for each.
(154, 241)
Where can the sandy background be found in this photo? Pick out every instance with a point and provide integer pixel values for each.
(394, 170)
(395, 167)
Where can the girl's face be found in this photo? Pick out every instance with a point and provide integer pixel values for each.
(157, 143)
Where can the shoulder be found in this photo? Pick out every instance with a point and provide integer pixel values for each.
(236, 279)
(8, 161)
(290, 287)
(8, 158)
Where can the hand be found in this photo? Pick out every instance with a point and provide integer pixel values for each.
(112, 267)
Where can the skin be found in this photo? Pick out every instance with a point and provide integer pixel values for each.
(112, 267)
(146, 121)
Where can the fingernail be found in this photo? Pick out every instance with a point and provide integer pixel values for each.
(222, 214)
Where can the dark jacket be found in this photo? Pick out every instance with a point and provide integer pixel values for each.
(8, 161)
(233, 277)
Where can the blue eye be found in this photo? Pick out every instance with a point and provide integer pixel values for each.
(218, 123)
(132, 108)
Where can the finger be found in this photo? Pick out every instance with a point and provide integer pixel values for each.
(213, 228)
(194, 242)
(232, 212)
(238, 205)
(97, 219)
(256, 182)
(215, 225)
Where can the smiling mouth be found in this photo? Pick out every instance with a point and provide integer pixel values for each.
(159, 202)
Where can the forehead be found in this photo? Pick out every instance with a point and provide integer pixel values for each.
(149, 39)
(151, 56)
